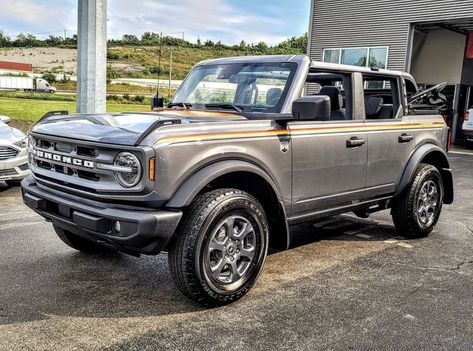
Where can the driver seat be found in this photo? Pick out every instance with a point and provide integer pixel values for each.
(336, 101)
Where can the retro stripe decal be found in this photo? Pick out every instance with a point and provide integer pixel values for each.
(300, 131)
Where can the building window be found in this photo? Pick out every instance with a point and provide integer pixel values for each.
(376, 57)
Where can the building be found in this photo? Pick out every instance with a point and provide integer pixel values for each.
(432, 40)
(15, 67)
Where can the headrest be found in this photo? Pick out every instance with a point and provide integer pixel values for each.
(273, 95)
(335, 96)
(373, 105)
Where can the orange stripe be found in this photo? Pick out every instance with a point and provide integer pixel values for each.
(297, 131)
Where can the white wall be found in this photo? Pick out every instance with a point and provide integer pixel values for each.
(439, 58)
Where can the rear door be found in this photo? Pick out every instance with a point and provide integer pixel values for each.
(391, 136)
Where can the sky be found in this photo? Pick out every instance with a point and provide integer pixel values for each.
(229, 21)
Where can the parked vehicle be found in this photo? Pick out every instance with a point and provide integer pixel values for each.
(467, 127)
(26, 84)
(13, 153)
(222, 173)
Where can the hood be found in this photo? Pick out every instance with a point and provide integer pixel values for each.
(123, 128)
(9, 135)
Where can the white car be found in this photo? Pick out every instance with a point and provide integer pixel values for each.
(13, 152)
(467, 127)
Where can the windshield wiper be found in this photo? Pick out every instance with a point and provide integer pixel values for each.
(235, 107)
(186, 105)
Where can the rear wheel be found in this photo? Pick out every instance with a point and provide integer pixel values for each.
(417, 210)
(80, 244)
(220, 248)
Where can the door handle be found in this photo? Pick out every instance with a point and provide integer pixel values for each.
(355, 142)
(405, 138)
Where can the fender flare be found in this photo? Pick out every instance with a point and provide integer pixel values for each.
(442, 164)
(189, 189)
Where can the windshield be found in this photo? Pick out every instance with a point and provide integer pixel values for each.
(252, 87)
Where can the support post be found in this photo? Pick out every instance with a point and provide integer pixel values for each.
(92, 56)
(456, 103)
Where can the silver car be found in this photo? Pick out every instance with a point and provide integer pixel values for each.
(13, 152)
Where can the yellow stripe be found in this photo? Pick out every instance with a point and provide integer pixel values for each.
(295, 131)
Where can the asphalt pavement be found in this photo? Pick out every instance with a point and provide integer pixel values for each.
(347, 284)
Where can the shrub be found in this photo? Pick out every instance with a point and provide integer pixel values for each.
(49, 77)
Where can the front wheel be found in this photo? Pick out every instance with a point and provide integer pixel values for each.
(417, 210)
(220, 248)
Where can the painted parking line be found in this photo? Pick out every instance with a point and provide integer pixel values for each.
(407, 246)
(391, 241)
(461, 153)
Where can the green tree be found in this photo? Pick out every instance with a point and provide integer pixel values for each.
(262, 47)
(5, 41)
(130, 39)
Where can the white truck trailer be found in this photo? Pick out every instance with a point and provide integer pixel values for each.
(26, 84)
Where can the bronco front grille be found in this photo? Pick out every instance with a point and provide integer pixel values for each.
(75, 165)
(7, 153)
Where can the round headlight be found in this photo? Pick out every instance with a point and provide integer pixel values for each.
(132, 175)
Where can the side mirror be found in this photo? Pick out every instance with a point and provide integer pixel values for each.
(5, 119)
(157, 101)
(312, 108)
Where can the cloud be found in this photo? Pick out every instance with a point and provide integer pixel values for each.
(49, 15)
(208, 19)
(229, 21)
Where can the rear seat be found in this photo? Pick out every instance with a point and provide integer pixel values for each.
(386, 112)
(376, 109)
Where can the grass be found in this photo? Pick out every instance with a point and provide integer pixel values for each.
(33, 110)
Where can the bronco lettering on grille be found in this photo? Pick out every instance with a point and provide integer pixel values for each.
(62, 159)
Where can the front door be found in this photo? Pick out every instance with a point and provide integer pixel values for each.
(329, 164)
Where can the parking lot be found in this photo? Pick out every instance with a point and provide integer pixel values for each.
(347, 283)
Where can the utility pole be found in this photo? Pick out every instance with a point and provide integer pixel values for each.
(159, 60)
(92, 56)
(170, 73)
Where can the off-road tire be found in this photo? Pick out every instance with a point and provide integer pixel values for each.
(187, 251)
(405, 207)
(80, 244)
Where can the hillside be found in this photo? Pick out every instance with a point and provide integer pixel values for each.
(139, 58)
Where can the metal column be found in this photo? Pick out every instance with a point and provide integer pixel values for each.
(456, 103)
(92, 56)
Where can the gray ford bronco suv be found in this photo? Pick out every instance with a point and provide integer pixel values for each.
(248, 147)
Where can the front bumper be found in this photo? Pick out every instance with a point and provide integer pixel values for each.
(15, 168)
(142, 231)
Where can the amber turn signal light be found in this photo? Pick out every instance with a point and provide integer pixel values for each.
(151, 169)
